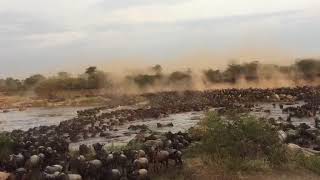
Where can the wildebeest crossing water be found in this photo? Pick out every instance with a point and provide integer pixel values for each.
(168, 111)
(34, 117)
(121, 135)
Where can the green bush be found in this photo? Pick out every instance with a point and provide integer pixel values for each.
(179, 76)
(6, 146)
(143, 80)
(238, 141)
(311, 163)
(309, 68)
(213, 76)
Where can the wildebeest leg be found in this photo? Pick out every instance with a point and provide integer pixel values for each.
(67, 168)
(124, 172)
(155, 166)
(158, 166)
(162, 165)
(176, 161)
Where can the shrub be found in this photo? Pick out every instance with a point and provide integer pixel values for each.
(311, 163)
(234, 142)
(31, 81)
(213, 76)
(309, 68)
(143, 80)
(6, 146)
(179, 76)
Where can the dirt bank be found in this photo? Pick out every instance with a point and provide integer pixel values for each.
(23, 102)
(195, 168)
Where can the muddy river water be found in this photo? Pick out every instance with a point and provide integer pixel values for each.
(34, 117)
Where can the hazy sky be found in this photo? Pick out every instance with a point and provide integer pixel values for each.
(52, 35)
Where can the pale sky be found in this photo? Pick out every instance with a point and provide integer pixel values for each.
(53, 35)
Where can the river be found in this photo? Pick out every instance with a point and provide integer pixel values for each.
(34, 117)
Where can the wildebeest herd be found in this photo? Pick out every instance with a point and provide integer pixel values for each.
(43, 152)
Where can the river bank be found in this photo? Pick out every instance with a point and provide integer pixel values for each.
(22, 102)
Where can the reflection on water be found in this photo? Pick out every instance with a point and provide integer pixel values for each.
(122, 135)
(34, 117)
(267, 110)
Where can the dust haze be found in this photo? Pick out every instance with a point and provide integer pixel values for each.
(196, 70)
(268, 74)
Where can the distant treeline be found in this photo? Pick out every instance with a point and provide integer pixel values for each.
(307, 70)
(45, 86)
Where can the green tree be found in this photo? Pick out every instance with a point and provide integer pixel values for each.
(309, 68)
(91, 70)
(33, 80)
(180, 76)
(213, 76)
(157, 69)
(233, 72)
(2, 85)
(13, 85)
(63, 75)
(6, 146)
(143, 80)
(236, 140)
(97, 80)
(251, 70)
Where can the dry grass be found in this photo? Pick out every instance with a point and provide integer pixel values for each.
(197, 169)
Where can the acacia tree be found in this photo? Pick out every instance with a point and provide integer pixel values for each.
(309, 68)
(96, 79)
(63, 75)
(33, 80)
(179, 76)
(233, 72)
(251, 70)
(157, 69)
(213, 76)
(91, 70)
(13, 85)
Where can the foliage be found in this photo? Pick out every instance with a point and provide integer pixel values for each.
(91, 70)
(148, 79)
(179, 76)
(309, 68)
(91, 79)
(115, 148)
(94, 79)
(144, 80)
(157, 69)
(134, 144)
(241, 140)
(33, 80)
(63, 75)
(247, 70)
(97, 80)
(6, 146)
(213, 76)
(11, 85)
(311, 163)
